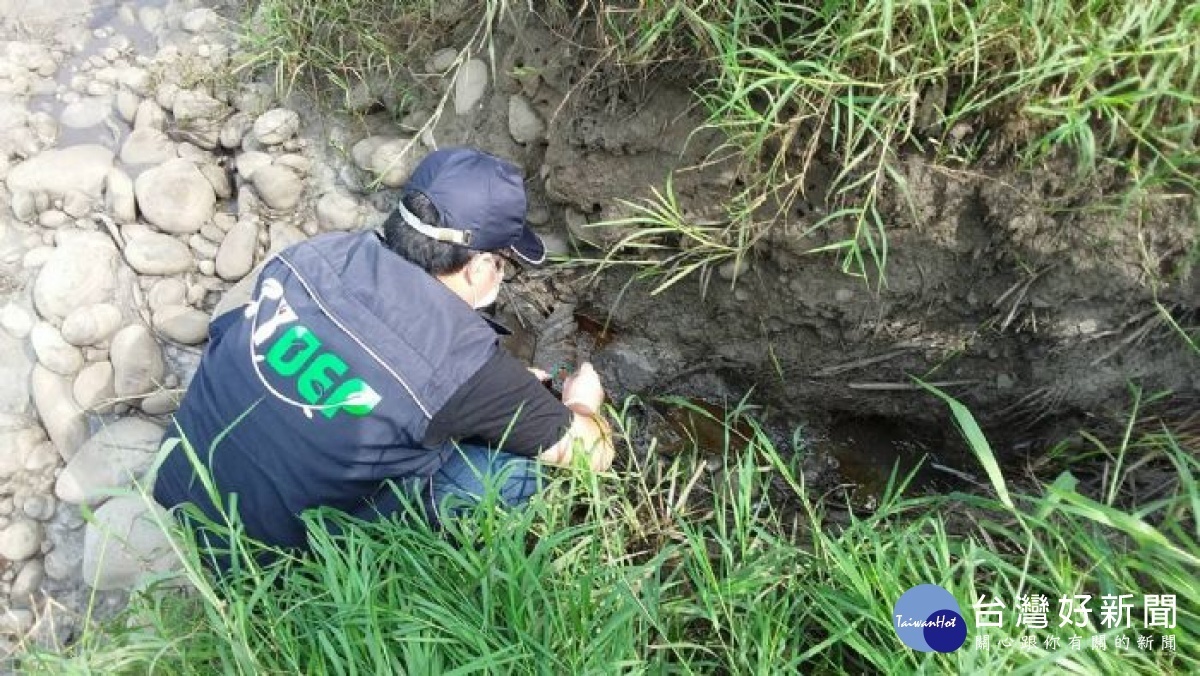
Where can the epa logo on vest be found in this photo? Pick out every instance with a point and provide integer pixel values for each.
(927, 618)
(310, 370)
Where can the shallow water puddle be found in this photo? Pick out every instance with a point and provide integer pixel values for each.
(703, 426)
(875, 452)
(85, 118)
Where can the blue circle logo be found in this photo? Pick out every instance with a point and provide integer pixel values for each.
(927, 618)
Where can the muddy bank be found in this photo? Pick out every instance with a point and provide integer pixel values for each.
(1030, 297)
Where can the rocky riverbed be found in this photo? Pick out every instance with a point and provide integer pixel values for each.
(140, 185)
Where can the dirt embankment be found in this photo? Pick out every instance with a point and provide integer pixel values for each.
(1030, 298)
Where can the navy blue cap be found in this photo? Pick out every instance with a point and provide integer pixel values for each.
(481, 199)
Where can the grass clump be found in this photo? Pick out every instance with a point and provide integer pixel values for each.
(854, 85)
(674, 567)
(345, 42)
(851, 86)
(348, 43)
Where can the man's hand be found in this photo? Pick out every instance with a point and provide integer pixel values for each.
(582, 391)
(590, 433)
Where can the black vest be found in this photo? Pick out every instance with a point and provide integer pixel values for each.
(321, 387)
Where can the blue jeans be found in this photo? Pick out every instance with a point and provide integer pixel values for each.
(463, 480)
(452, 491)
(468, 474)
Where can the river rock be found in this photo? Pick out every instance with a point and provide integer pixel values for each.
(31, 56)
(76, 204)
(127, 105)
(338, 211)
(39, 507)
(203, 133)
(18, 436)
(27, 584)
(137, 80)
(200, 20)
(81, 167)
(283, 235)
(191, 105)
(93, 387)
(115, 457)
(166, 93)
(15, 367)
(131, 231)
(21, 539)
(24, 206)
(61, 416)
(80, 271)
(147, 146)
(21, 142)
(53, 219)
(296, 162)
(734, 269)
(236, 255)
(42, 457)
(150, 116)
(250, 162)
(53, 352)
(394, 160)
(194, 153)
(16, 320)
(362, 151)
(63, 562)
(175, 197)
(36, 258)
(15, 622)
(119, 200)
(213, 232)
(126, 542)
(469, 86)
(151, 18)
(279, 187)
(182, 324)
(158, 254)
(441, 60)
(162, 402)
(88, 111)
(166, 292)
(91, 325)
(204, 248)
(137, 361)
(276, 126)
(44, 127)
(524, 124)
(555, 243)
(235, 129)
(249, 205)
(218, 178)
(254, 97)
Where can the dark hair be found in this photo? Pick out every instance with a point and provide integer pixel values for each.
(432, 256)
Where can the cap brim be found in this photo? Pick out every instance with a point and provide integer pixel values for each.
(530, 248)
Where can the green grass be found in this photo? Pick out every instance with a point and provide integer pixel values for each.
(344, 43)
(854, 85)
(858, 84)
(670, 566)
